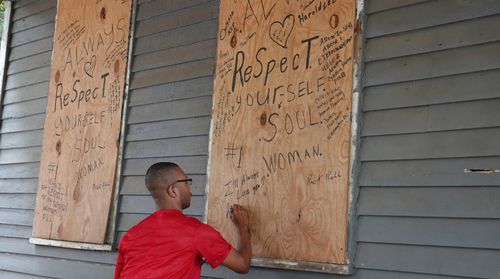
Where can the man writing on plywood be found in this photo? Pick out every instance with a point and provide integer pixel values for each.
(168, 244)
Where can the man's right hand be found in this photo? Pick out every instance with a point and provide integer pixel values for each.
(239, 216)
(239, 260)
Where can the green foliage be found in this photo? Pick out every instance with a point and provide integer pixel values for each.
(2, 12)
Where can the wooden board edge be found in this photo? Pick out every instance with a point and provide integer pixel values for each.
(70, 244)
(112, 230)
(344, 269)
(354, 164)
(356, 127)
(4, 50)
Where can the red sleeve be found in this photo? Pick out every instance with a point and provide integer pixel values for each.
(119, 263)
(211, 245)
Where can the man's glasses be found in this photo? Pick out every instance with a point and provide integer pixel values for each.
(189, 181)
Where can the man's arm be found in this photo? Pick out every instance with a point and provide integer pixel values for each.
(239, 260)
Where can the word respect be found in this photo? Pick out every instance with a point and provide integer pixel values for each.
(244, 73)
(62, 99)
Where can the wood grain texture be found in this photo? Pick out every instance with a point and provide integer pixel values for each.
(280, 126)
(83, 120)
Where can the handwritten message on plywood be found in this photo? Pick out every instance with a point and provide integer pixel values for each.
(83, 117)
(280, 137)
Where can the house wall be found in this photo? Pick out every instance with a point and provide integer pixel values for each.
(430, 109)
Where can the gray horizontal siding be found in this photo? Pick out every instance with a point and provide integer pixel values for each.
(448, 144)
(457, 202)
(35, 91)
(452, 116)
(191, 164)
(27, 123)
(34, 34)
(149, 9)
(17, 275)
(469, 263)
(23, 186)
(430, 112)
(183, 36)
(439, 90)
(481, 30)
(430, 172)
(384, 5)
(132, 185)
(435, 64)
(197, 87)
(54, 267)
(436, 13)
(444, 232)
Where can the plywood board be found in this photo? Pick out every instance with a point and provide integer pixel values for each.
(280, 134)
(83, 119)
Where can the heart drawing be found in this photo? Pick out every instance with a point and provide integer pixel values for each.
(280, 31)
(89, 67)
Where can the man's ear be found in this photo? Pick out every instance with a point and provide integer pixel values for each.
(172, 191)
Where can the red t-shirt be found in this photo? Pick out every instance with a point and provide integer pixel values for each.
(168, 244)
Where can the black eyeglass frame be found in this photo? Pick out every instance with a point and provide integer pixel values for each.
(188, 180)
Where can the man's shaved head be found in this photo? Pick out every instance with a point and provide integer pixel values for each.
(159, 176)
